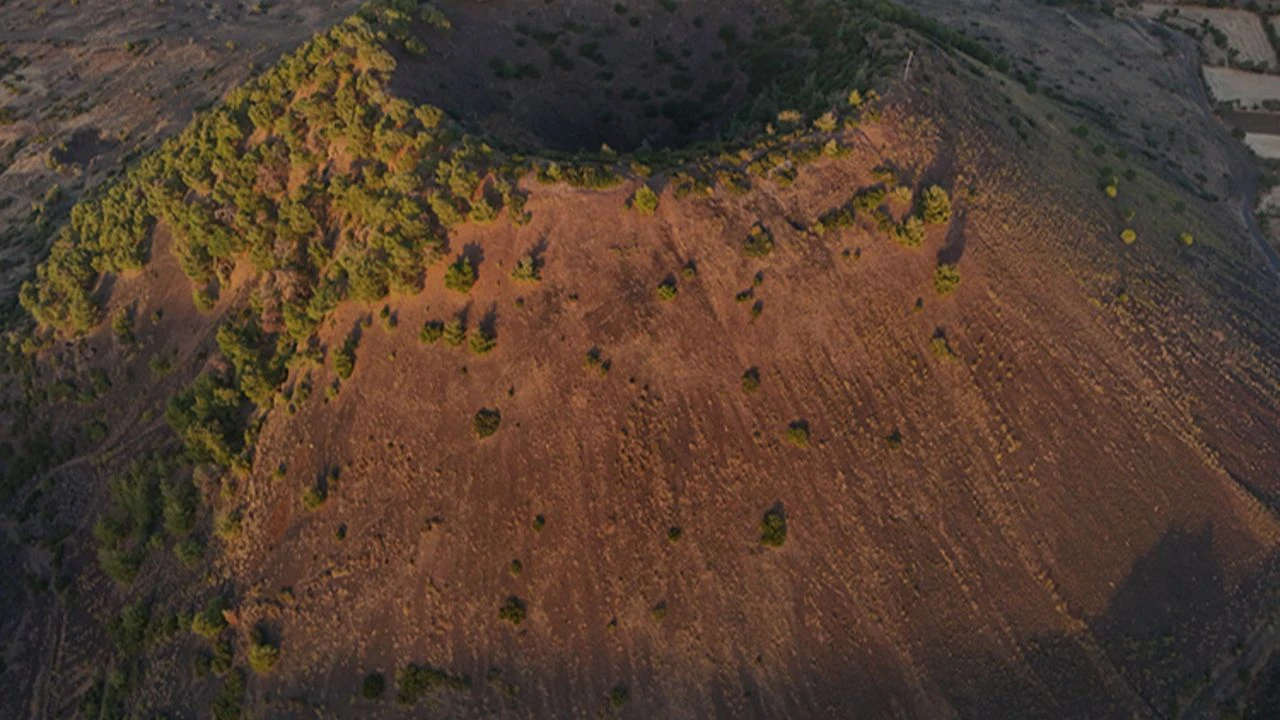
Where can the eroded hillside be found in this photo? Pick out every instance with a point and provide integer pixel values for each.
(888, 406)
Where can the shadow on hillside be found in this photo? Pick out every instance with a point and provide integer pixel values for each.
(1154, 642)
(1162, 629)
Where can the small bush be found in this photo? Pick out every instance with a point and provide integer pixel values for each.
(773, 527)
(314, 497)
(209, 622)
(483, 343)
(645, 200)
(595, 362)
(667, 290)
(513, 610)
(344, 358)
(373, 687)
(388, 318)
(461, 275)
(659, 612)
(455, 333)
(263, 653)
(936, 206)
(486, 423)
(515, 568)
(618, 697)
(759, 243)
(1187, 239)
(526, 270)
(431, 333)
(189, 552)
(418, 680)
(751, 380)
(674, 534)
(798, 434)
(910, 233)
(946, 278)
(1129, 236)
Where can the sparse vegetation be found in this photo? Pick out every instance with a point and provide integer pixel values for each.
(460, 276)
(373, 686)
(667, 289)
(797, 434)
(645, 200)
(512, 610)
(486, 422)
(751, 380)
(946, 278)
(759, 242)
(263, 653)
(773, 527)
(935, 206)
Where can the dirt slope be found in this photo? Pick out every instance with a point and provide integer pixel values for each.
(1051, 493)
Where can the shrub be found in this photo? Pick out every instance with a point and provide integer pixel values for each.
(1111, 190)
(526, 269)
(189, 552)
(515, 568)
(595, 361)
(483, 343)
(539, 522)
(432, 331)
(344, 359)
(263, 654)
(418, 680)
(1187, 239)
(461, 275)
(373, 687)
(674, 534)
(122, 326)
(486, 423)
(454, 333)
(388, 318)
(645, 200)
(618, 697)
(667, 289)
(751, 380)
(946, 278)
(1129, 236)
(798, 434)
(659, 612)
(935, 206)
(759, 242)
(513, 610)
(941, 348)
(314, 497)
(228, 704)
(910, 233)
(209, 622)
(773, 527)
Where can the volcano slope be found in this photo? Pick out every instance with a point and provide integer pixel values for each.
(877, 393)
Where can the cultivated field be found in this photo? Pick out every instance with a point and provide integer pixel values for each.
(1250, 90)
(1242, 29)
(1267, 146)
